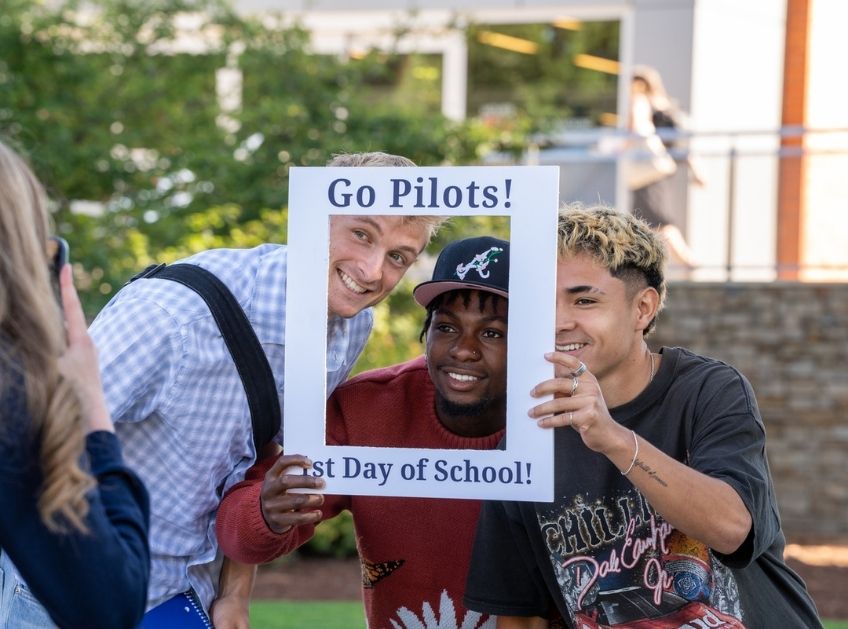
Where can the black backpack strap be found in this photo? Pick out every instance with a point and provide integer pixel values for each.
(246, 350)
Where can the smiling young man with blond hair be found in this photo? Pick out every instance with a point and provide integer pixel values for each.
(175, 394)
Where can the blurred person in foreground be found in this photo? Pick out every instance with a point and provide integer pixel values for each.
(73, 529)
(179, 404)
(664, 512)
(414, 551)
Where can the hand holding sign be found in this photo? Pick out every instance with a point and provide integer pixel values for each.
(283, 510)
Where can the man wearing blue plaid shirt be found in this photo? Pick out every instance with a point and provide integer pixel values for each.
(174, 393)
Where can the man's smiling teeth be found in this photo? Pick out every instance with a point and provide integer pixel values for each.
(348, 281)
(569, 347)
(462, 377)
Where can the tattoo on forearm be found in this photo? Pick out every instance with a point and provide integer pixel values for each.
(645, 468)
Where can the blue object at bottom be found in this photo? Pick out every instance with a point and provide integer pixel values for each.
(182, 611)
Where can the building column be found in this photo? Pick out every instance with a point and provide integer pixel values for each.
(791, 203)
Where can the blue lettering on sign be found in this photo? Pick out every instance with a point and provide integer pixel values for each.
(515, 474)
(354, 468)
(430, 194)
(365, 195)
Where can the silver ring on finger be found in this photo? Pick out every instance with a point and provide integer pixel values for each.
(581, 369)
(570, 418)
(574, 384)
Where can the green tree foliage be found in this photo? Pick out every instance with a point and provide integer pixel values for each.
(111, 110)
(333, 538)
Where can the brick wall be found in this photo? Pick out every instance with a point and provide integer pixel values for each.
(791, 341)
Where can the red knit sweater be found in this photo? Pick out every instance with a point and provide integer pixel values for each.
(414, 551)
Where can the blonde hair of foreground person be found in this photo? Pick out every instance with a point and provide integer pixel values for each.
(32, 339)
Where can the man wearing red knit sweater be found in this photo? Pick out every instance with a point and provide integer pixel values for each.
(414, 551)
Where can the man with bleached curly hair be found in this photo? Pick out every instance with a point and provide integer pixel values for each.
(664, 511)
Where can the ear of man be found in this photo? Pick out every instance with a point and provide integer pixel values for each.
(646, 303)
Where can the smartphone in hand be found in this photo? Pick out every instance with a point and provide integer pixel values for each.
(57, 250)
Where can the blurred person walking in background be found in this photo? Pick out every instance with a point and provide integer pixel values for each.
(74, 519)
(653, 112)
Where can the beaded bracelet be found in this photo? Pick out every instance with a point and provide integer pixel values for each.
(635, 454)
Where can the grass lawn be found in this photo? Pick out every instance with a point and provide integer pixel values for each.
(307, 614)
(340, 615)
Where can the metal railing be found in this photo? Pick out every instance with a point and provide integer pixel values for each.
(747, 173)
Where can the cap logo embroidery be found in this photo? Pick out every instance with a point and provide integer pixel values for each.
(479, 263)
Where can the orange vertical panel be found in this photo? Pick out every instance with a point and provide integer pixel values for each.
(791, 202)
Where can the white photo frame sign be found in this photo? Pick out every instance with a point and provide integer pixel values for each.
(529, 196)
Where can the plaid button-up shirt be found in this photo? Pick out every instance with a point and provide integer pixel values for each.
(179, 406)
